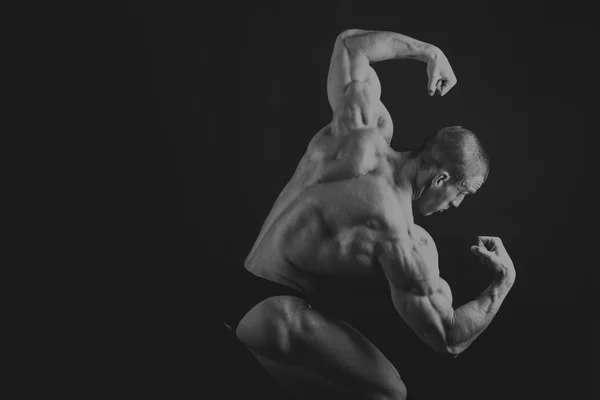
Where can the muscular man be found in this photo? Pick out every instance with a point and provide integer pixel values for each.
(348, 210)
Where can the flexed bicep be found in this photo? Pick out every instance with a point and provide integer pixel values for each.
(353, 88)
(421, 297)
(427, 308)
(345, 66)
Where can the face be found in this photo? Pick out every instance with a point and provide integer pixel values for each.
(442, 194)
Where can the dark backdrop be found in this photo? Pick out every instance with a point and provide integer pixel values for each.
(159, 136)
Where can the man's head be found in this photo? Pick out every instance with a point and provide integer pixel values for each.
(451, 164)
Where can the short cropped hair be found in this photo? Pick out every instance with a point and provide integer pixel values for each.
(457, 150)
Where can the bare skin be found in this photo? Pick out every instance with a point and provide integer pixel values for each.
(348, 210)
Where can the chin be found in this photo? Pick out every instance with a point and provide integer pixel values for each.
(423, 212)
(428, 213)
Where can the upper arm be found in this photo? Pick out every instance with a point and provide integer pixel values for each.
(419, 294)
(353, 89)
(426, 306)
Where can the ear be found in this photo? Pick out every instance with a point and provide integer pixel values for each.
(440, 178)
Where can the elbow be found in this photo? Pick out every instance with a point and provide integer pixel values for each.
(349, 33)
(447, 351)
(446, 348)
(450, 351)
(442, 346)
(348, 39)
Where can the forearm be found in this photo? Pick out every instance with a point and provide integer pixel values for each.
(470, 320)
(380, 46)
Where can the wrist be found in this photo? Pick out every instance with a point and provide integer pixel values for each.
(431, 53)
(505, 277)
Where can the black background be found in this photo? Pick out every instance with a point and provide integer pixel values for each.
(160, 134)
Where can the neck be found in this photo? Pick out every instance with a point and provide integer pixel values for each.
(407, 174)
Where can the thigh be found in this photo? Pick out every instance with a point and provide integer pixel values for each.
(317, 355)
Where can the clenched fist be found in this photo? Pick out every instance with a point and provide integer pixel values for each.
(491, 251)
(440, 76)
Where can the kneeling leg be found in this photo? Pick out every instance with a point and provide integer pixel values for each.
(313, 356)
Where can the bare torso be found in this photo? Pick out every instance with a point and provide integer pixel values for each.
(340, 212)
(347, 212)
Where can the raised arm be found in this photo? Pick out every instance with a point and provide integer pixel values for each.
(353, 85)
(424, 299)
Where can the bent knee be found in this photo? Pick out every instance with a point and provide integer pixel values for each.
(395, 392)
(392, 387)
(273, 327)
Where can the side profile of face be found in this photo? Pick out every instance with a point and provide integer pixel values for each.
(442, 194)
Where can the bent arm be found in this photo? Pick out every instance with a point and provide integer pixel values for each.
(380, 46)
(427, 308)
(355, 49)
(424, 300)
